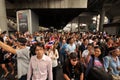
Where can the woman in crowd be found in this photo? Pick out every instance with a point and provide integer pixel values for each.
(112, 63)
(73, 69)
(93, 59)
(62, 50)
(95, 67)
(53, 54)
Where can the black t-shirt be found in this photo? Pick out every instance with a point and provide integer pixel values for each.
(1, 39)
(82, 48)
(3, 56)
(73, 71)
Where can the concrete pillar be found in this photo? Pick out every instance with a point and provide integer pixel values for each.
(78, 24)
(102, 15)
(97, 23)
(3, 19)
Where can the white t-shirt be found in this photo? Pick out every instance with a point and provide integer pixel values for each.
(71, 48)
(54, 57)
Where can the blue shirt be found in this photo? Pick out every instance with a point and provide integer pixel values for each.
(109, 62)
(63, 48)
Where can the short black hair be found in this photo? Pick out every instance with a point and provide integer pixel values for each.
(4, 32)
(90, 44)
(70, 39)
(40, 44)
(97, 47)
(22, 40)
(33, 47)
(85, 39)
(108, 39)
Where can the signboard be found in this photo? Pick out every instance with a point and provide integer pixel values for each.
(22, 21)
(27, 20)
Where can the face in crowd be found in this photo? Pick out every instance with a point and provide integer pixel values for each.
(74, 61)
(85, 41)
(97, 51)
(39, 51)
(73, 58)
(71, 40)
(116, 52)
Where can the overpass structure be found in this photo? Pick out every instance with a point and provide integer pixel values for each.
(37, 4)
(58, 13)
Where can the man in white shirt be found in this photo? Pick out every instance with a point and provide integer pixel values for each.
(40, 67)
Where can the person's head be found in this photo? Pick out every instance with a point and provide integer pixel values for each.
(32, 50)
(85, 41)
(81, 39)
(63, 40)
(109, 41)
(73, 58)
(90, 46)
(4, 32)
(114, 51)
(21, 41)
(39, 50)
(97, 51)
(71, 40)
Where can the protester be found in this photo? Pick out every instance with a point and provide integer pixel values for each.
(53, 54)
(112, 63)
(71, 47)
(40, 67)
(78, 43)
(6, 58)
(73, 69)
(62, 51)
(23, 56)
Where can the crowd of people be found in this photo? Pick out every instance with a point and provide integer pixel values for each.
(39, 54)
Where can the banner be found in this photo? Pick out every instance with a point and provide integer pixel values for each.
(23, 21)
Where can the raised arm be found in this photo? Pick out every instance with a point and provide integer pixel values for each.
(7, 48)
